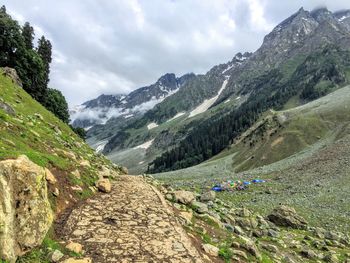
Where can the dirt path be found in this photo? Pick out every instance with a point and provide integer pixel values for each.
(131, 224)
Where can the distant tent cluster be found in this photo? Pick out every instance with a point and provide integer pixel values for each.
(231, 185)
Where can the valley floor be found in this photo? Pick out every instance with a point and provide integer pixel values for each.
(131, 224)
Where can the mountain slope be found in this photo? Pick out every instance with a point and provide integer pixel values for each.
(303, 154)
(45, 168)
(105, 107)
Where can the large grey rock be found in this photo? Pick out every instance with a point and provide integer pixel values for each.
(184, 197)
(12, 73)
(287, 216)
(25, 212)
(7, 108)
(199, 207)
(208, 196)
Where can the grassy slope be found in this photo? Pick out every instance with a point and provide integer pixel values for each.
(49, 143)
(308, 168)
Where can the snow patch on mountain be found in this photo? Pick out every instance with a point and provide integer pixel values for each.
(101, 146)
(152, 125)
(145, 145)
(206, 104)
(177, 116)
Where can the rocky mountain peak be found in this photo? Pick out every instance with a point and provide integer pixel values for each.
(167, 79)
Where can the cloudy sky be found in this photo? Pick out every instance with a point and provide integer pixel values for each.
(115, 46)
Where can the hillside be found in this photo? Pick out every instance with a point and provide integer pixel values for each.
(304, 57)
(36, 143)
(302, 153)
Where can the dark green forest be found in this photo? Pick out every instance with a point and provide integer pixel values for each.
(319, 74)
(17, 50)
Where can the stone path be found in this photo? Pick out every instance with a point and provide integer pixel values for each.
(133, 223)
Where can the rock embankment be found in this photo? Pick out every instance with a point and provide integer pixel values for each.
(25, 212)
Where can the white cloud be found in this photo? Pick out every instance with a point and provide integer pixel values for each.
(114, 46)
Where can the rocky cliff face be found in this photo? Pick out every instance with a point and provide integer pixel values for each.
(25, 211)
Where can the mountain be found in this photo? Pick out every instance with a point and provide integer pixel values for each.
(105, 107)
(304, 57)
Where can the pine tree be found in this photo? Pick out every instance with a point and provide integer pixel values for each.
(3, 9)
(28, 35)
(45, 52)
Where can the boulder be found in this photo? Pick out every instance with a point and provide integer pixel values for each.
(250, 246)
(12, 74)
(287, 216)
(104, 185)
(184, 197)
(7, 108)
(25, 211)
(199, 207)
(211, 250)
(208, 196)
(74, 247)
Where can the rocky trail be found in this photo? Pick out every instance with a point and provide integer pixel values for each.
(133, 223)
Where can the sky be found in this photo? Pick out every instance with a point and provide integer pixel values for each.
(116, 46)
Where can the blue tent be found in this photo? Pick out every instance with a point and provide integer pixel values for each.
(217, 188)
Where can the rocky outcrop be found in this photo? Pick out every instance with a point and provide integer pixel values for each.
(184, 197)
(12, 73)
(287, 216)
(25, 212)
(104, 185)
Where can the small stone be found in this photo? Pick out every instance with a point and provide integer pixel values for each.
(76, 173)
(308, 253)
(50, 178)
(187, 216)
(56, 255)
(169, 197)
(239, 230)
(85, 163)
(240, 254)
(273, 233)
(211, 250)
(75, 247)
(39, 116)
(56, 192)
(235, 245)
(331, 258)
(270, 248)
(104, 185)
